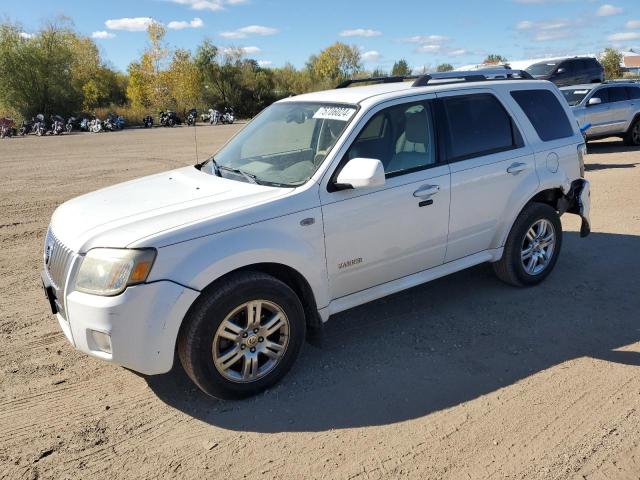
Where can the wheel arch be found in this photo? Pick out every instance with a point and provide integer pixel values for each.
(286, 274)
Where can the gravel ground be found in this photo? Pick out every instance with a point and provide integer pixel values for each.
(464, 377)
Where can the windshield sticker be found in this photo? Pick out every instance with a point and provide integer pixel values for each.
(335, 113)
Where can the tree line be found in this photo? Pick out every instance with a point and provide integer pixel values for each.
(59, 71)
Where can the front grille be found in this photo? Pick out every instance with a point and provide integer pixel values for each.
(57, 261)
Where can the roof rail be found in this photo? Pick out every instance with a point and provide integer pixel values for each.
(394, 79)
(471, 76)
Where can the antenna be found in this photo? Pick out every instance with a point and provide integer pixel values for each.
(195, 137)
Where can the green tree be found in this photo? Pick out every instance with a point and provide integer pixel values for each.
(401, 68)
(494, 58)
(611, 60)
(444, 67)
(185, 81)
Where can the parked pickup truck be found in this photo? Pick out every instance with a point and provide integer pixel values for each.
(323, 202)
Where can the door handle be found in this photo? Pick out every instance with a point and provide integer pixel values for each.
(426, 191)
(516, 168)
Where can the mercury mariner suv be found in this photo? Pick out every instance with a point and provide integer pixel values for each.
(323, 202)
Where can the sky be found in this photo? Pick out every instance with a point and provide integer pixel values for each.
(425, 33)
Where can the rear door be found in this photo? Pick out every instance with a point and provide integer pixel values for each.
(620, 109)
(491, 168)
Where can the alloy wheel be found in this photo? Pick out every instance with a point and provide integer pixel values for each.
(538, 246)
(250, 341)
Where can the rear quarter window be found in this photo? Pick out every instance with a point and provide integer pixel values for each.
(545, 113)
(634, 93)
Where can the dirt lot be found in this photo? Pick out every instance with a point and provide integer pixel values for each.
(461, 378)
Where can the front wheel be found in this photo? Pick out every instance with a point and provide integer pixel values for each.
(532, 247)
(243, 336)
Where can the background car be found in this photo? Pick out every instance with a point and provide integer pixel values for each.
(611, 108)
(568, 71)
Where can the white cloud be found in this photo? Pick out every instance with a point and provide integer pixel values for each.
(180, 25)
(265, 63)
(211, 5)
(371, 56)
(607, 10)
(138, 24)
(251, 50)
(426, 39)
(429, 48)
(244, 32)
(622, 37)
(26, 35)
(102, 35)
(458, 52)
(548, 30)
(633, 24)
(360, 32)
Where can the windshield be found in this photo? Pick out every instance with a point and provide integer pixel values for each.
(574, 96)
(284, 145)
(542, 68)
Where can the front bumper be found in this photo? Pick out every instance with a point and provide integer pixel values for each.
(142, 324)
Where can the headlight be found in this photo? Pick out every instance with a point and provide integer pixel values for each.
(108, 271)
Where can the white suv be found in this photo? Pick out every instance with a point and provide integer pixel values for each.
(323, 202)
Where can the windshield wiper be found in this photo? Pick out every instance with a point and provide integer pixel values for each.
(249, 176)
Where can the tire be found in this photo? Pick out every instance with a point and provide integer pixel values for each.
(199, 340)
(632, 137)
(512, 267)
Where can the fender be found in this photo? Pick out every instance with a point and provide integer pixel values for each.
(295, 240)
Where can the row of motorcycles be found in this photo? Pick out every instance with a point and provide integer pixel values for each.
(56, 125)
(169, 118)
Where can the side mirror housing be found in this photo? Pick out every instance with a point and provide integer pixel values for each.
(361, 173)
(594, 101)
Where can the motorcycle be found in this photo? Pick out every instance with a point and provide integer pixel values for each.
(7, 127)
(214, 117)
(192, 116)
(108, 125)
(57, 125)
(148, 121)
(169, 119)
(40, 125)
(95, 125)
(228, 116)
(27, 127)
(73, 124)
(114, 122)
(84, 124)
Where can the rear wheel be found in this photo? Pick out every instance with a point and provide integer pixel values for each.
(532, 247)
(632, 137)
(243, 336)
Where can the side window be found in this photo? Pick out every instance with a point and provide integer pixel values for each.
(602, 94)
(633, 93)
(402, 137)
(618, 94)
(545, 113)
(477, 125)
(569, 67)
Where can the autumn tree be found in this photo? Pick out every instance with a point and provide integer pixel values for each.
(336, 63)
(494, 59)
(611, 60)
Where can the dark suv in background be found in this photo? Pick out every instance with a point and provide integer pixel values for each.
(568, 71)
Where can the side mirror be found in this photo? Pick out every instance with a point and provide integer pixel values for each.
(361, 173)
(594, 101)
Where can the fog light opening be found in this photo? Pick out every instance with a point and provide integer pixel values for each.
(101, 341)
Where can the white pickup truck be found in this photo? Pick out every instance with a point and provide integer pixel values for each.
(323, 202)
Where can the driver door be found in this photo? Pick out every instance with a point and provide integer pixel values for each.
(377, 235)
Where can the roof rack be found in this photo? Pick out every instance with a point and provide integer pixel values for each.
(394, 79)
(471, 76)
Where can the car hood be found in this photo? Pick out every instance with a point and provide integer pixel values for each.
(120, 215)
